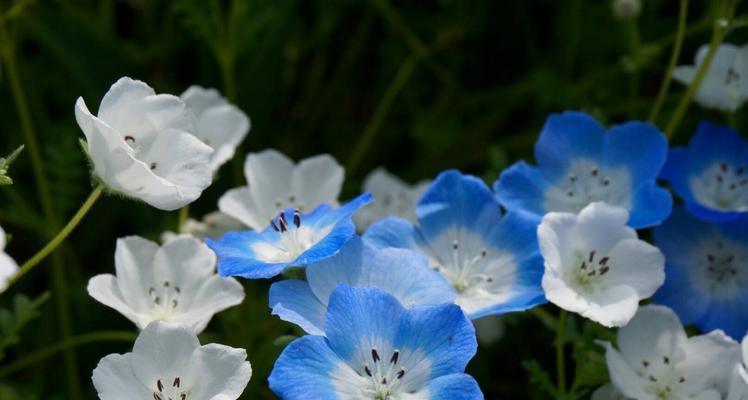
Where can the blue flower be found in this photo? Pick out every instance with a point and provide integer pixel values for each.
(710, 175)
(706, 272)
(579, 163)
(492, 261)
(402, 273)
(377, 349)
(291, 240)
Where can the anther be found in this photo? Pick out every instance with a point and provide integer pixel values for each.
(592, 255)
(274, 226)
(594, 172)
(570, 193)
(130, 139)
(150, 291)
(374, 355)
(367, 370)
(652, 378)
(157, 300)
(710, 257)
(606, 181)
(483, 253)
(291, 198)
(157, 397)
(604, 260)
(572, 177)
(681, 379)
(645, 363)
(160, 385)
(719, 178)
(740, 170)
(603, 270)
(455, 245)
(395, 356)
(153, 165)
(401, 373)
(174, 303)
(384, 381)
(489, 279)
(583, 266)
(282, 222)
(296, 218)
(166, 283)
(723, 166)
(177, 382)
(666, 360)
(177, 289)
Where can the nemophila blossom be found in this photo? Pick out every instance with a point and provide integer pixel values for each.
(739, 378)
(213, 225)
(168, 363)
(218, 124)
(655, 360)
(706, 272)
(392, 197)
(491, 260)
(374, 348)
(275, 184)
(8, 266)
(710, 174)
(725, 85)
(293, 239)
(402, 273)
(175, 282)
(142, 145)
(596, 266)
(580, 163)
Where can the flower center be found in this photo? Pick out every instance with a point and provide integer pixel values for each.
(466, 268)
(295, 238)
(722, 187)
(175, 391)
(165, 298)
(586, 182)
(590, 267)
(385, 376)
(720, 269)
(664, 380)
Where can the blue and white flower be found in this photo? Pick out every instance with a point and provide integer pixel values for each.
(492, 261)
(168, 363)
(392, 197)
(402, 273)
(219, 124)
(655, 360)
(176, 282)
(374, 348)
(580, 163)
(275, 183)
(293, 239)
(706, 272)
(596, 266)
(8, 266)
(725, 85)
(710, 175)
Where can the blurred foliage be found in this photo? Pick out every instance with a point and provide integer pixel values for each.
(415, 86)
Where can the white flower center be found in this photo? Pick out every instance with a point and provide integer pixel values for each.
(586, 182)
(722, 186)
(139, 149)
(385, 376)
(663, 379)
(720, 268)
(465, 269)
(294, 240)
(587, 270)
(170, 390)
(165, 298)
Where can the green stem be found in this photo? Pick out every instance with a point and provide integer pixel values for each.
(60, 237)
(635, 48)
(560, 362)
(370, 132)
(184, 214)
(674, 55)
(718, 34)
(73, 341)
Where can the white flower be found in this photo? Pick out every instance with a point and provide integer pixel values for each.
(596, 266)
(213, 226)
(725, 85)
(392, 197)
(275, 184)
(168, 363)
(176, 283)
(8, 266)
(655, 359)
(220, 125)
(739, 377)
(142, 145)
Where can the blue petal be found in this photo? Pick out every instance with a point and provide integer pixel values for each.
(356, 313)
(713, 143)
(651, 205)
(710, 214)
(565, 137)
(294, 301)
(303, 370)
(454, 387)
(521, 187)
(457, 200)
(442, 333)
(236, 258)
(394, 232)
(400, 272)
(677, 170)
(638, 145)
(730, 316)
(325, 218)
(329, 245)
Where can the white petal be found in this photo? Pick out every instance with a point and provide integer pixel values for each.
(133, 261)
(199, 99)
(162, 349)
(655, 330)
(710, 359)
(239, 204)
(607, 392)
(601, 226)
(269, 175)
(555, 239)
(638, 264)
(114, 379)
(219, 371)
(623, 376)
(185, 260)
(216, 294)
(317, 180)
(558, 292)
(614, 307)
(8, 268)
(104, 289)
(222, 128)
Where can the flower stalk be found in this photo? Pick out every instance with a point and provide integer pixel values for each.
(678, 44)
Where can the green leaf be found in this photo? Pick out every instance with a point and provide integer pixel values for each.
(5, 164)
(11, 322)
(539, 378)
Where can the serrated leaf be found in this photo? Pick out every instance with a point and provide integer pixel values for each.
(5, 164)
(539, 378)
